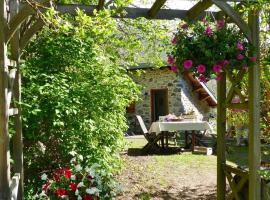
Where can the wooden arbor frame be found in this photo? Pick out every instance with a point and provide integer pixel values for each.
(16, 29)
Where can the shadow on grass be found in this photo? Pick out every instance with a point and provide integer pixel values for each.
(167, 151)
(199, 193)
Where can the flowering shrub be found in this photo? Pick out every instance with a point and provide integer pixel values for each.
(206, 49)
(80, 183)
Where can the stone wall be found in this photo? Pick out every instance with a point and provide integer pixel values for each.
(181, 98)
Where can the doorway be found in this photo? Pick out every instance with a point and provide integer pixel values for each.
(159, 103)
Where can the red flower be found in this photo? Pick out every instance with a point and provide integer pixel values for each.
(61, 192)
(87, 197)
(56, 177)
(45, 187)
(73, 186)
(67, 172)
(220, 23)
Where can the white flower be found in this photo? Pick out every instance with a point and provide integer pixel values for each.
(44, 177)
(92, 190)
(80, 185)
(42, 194)
(73, 160)
(79, 197)
(77, 192)
(73, 177)
(81, 157)
(92, 173)
(87, 169)
(78, 168)
(73, 153)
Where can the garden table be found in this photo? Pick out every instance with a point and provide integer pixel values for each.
(189, 125)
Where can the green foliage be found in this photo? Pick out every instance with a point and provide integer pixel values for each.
(75, 94)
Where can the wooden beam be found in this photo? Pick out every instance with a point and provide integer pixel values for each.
(198, 9)
(29, 33)
(236, 18)
(4, 136)
(14, 186)
(198, 89)
(221, 140)
(18, 19)
(17, 140)
(163, 14)
(205, 98)
(254, 146)
(155, 8)
(11, 63)
(243, 106)
(13, 111)
(100, 4)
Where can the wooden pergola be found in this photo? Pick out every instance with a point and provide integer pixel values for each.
(19, 22)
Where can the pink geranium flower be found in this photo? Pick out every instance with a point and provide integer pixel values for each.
(225, 62)
(240, 46)
(188, 64)
(220, 23)
(170, 60)
(201, 68)
(217, 68)
(219, 77)
(209, 31)
(253, 59)
(202, 78)
(174, 40)
(240, 56)
(174, 68)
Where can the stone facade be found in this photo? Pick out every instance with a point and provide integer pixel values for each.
(181, 98)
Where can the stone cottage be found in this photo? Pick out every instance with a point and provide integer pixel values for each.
(163, 92)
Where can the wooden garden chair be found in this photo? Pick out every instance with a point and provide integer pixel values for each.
(151, 138)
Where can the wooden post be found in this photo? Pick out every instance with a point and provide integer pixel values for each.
(254, 157)
(4, 138)
(17, 138)
(221, 144)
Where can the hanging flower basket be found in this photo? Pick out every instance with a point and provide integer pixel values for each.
(206, 49)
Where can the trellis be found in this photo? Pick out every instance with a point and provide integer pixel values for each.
(19, 22)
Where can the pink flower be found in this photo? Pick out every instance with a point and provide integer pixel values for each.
(236, 99)
(253, 59)
(240, 56)
(188, 64)
(240, 46)
(219, 77)
(202, 78)
(174, 68)
(217, 68)
(174, 40)
(184, 26)
(220, 23)
(201, 68)
(209, 31)
(170, 60)
(225, 62)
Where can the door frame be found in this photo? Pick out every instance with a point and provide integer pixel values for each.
(152, 92)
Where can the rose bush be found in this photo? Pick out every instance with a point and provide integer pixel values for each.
(208, 48)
